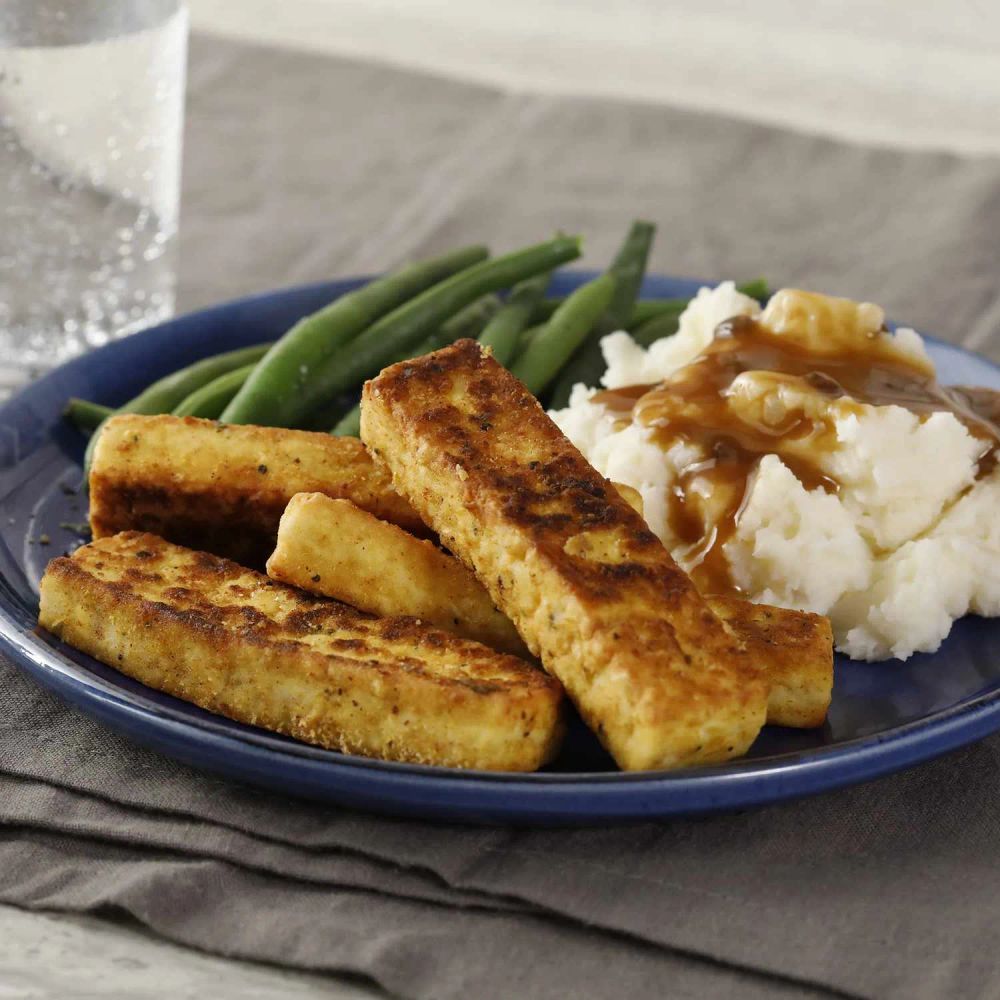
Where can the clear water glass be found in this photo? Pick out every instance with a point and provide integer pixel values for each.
(91, 118)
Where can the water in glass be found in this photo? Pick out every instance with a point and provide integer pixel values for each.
(91, 111)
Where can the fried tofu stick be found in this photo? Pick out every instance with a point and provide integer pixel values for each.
(591, 590)
(234, 642)
(223, 487)
(333, 548)
(794, 648)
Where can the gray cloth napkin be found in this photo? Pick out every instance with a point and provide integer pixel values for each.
(301, 168)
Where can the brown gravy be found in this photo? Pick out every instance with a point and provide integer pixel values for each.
(692, 407)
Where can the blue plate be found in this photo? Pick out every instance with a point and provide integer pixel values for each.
(884, 717)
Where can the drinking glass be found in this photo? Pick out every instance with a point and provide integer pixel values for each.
(91, 117)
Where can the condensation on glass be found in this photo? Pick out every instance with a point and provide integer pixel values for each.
(91, 114)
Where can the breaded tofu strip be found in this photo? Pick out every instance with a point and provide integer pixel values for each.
(332, 548)
(234, 642)
(223, 487)
(795, 650)
(590, 588)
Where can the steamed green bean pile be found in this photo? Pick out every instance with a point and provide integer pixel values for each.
(312, 375)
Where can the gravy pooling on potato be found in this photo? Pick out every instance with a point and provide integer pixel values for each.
(695, 406)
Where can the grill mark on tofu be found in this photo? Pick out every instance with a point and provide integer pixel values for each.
(234, 642)
(591, 590)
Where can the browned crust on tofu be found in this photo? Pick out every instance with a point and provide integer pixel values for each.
(335, 549)
(591, 590)
(236, 643)
(222, 488)
(795, 650)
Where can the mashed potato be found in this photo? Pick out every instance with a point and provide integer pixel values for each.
(908, 543)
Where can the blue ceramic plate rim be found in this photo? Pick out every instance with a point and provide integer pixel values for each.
(262, 758)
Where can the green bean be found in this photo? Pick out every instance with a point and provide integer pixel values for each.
(757, 289)
(544, 310)
(628, 267)
(563, 334)
(526, 337)
(468, 322)
(210, 400)
(649, 320)
(664, 321)
(400, 331)
(86, 415)
(277, 394)
(643, 310)
(663, 325)
(503, 331)
(166, 393)
(647, 309)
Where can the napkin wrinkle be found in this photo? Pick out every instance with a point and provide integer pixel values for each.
(463, 859)
(40, 806)
(493, 843)
(134, 777)
(157, 861)
(198, 903)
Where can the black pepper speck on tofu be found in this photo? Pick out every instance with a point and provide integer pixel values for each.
(210, 631)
